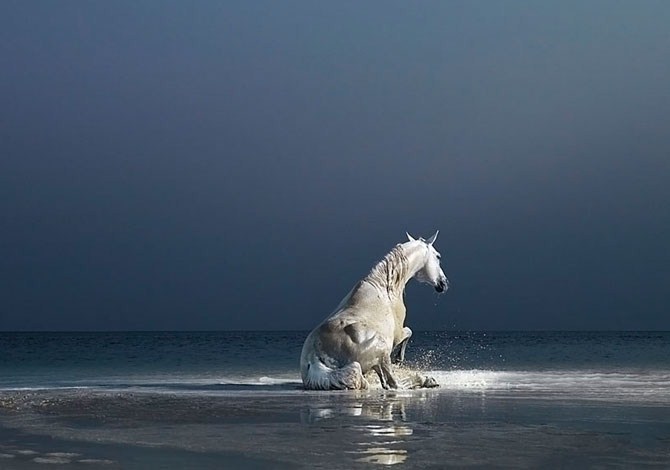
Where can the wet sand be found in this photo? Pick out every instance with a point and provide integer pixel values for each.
(420, 429)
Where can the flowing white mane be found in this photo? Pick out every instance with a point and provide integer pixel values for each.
(390, 274)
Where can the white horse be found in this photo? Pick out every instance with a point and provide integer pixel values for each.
(367, 328)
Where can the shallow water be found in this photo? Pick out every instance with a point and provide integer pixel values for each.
(233, 400)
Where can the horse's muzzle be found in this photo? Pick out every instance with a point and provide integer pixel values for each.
(442, 285)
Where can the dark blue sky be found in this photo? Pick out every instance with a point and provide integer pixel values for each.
(240, 165)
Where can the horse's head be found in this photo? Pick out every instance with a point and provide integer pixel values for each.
(431, 272)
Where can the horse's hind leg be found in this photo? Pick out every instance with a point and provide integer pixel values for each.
(398, 353)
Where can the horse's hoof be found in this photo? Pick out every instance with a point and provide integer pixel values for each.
(430, 383)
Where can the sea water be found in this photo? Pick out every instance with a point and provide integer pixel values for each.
(234, 400)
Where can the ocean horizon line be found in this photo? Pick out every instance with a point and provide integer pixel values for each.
(307, 330)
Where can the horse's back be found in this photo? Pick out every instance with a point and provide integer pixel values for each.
(364, 304)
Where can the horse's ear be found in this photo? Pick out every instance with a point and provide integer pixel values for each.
(432, 239)
(409, 237)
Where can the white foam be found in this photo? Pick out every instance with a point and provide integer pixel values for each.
(52, 460)
(65, 455)
(649, 386)
(278, 381)
(155, 382)
(39, 388)
(258, 380)
(208, 386)
(632, 385)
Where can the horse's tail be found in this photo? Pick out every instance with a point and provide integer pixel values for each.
(318, 376)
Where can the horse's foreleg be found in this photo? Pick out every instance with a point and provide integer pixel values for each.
(398, 353)
(382, 376)
(386, 377)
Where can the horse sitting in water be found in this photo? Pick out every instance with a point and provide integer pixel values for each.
(366, 331)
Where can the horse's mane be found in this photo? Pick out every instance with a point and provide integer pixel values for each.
(391, 272)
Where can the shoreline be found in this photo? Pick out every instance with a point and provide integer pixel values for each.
(329, 429)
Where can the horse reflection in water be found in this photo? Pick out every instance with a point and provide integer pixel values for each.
(366, 332)
(381, 439)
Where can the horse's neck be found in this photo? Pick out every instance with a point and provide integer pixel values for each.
(399, 266)
(416, 258)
